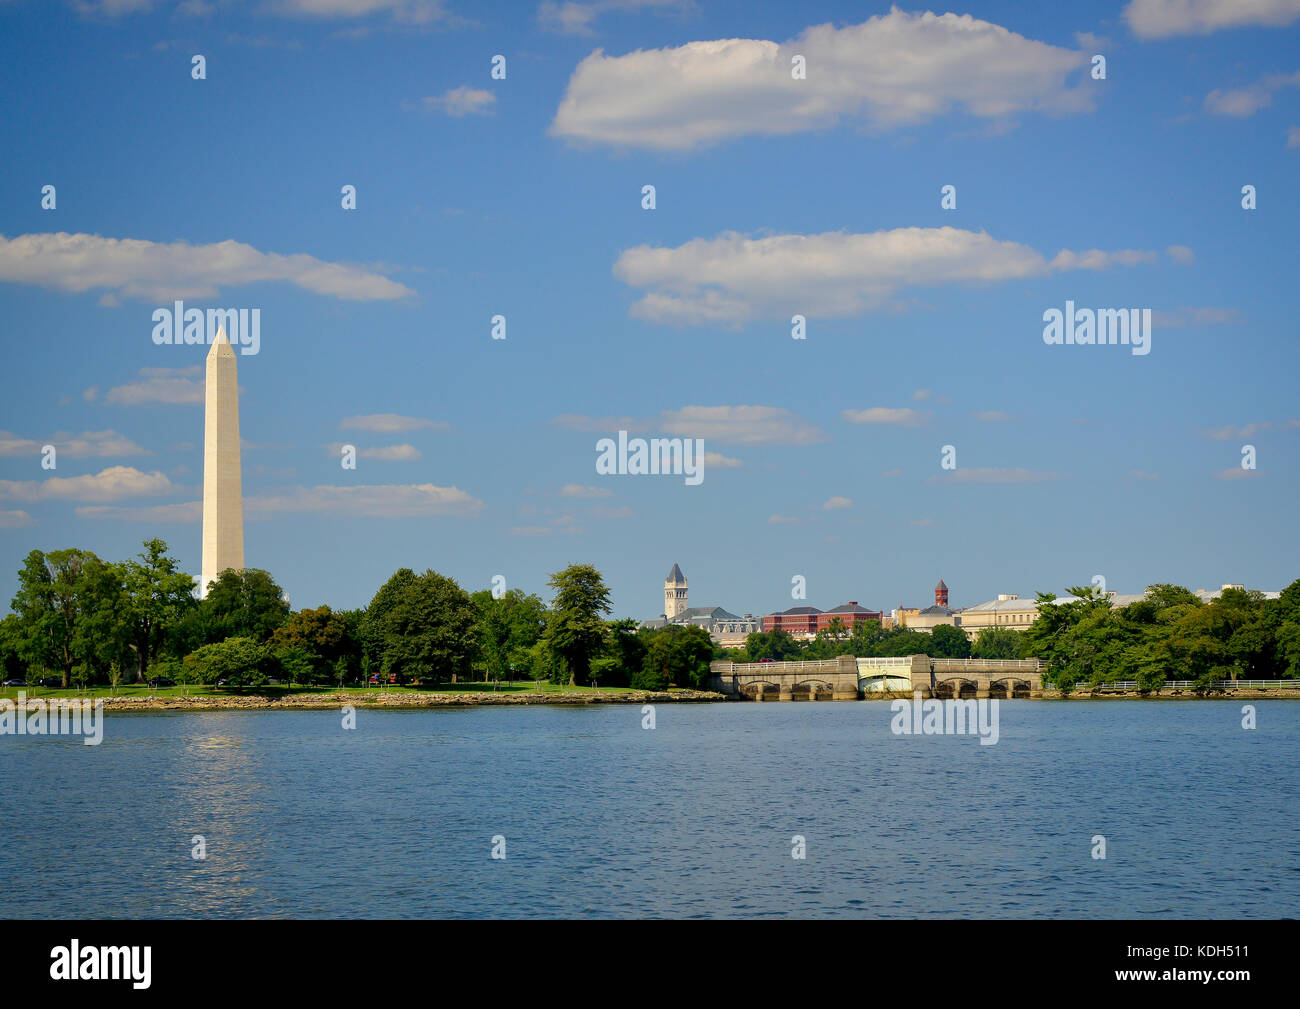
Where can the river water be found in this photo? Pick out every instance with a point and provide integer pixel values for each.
(696, 817)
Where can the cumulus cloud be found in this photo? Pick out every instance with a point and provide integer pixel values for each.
(1231, 431)
(903, 415)
(1242, 102)
(394, 501)
(187, 512)
(1237, 473)
(384, 453)
(88, 444)
(733, 278)
(171, 386)
(162, 271)
(721, 461)
(893, 70)
(742, 425)
(113, 484)
(569, 17)
(1156, 19)
(835, 502)
(584, 491)
(748, 425)
(462, 101)
(415, 12)
(15, 519)
(390, 423)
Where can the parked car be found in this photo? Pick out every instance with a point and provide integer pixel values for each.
(51, 681)
(162, 681)
(14, 683)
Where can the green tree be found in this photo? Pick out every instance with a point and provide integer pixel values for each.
(430, 632)
(374, 622)
(575, 632)
(158, 596)
(776, 645)
(311, 642)
(509, 626)
(240, 662)
(949, 642)
(244, 604)
(997, 643)
(677, 655)
(57, 593)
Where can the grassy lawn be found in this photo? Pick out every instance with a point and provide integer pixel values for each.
(516, 687)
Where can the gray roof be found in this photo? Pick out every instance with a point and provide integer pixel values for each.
(675, 575)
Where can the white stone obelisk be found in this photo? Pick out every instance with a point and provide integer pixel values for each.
(223, 506)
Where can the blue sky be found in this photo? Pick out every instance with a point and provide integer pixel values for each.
(523, 197)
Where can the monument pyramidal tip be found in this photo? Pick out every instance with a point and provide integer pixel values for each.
(223, 508)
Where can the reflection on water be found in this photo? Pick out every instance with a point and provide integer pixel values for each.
(692, 819)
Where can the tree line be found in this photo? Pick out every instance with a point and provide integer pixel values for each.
(1168, 635)
(88, 621)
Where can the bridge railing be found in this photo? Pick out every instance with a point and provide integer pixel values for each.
(975, 665)
(812, 666)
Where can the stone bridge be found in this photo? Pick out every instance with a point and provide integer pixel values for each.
(846, 678)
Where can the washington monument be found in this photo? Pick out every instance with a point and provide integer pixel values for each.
(223, 508)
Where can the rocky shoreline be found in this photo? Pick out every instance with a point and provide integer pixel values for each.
(384, 699)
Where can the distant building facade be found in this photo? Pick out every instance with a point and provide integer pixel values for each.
(932, 616)
(724, 627)
(806, 621)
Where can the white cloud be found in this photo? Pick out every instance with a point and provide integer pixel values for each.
(778, 520)
(750, 425)
(14, 519)
(162, 271)
(1181, 254)
(602, 511)
(113, 484)
(462, 101)
(903, 415)
(733, 278)
(173, 386)
(1241, 102)
(390, 423)
(111, 8)
(835, 502)
(583, 491)
(1293, 136)
(88, 444)
(1231, 431)
(745, 425)
(717, 459)
(1237, 473)
(358, 501)
(1154, 19)
(893, 70)
(420, 12)
(187, 512)
(384, 453)
(569, 17)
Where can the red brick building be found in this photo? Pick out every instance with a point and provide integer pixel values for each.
(806, 621)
